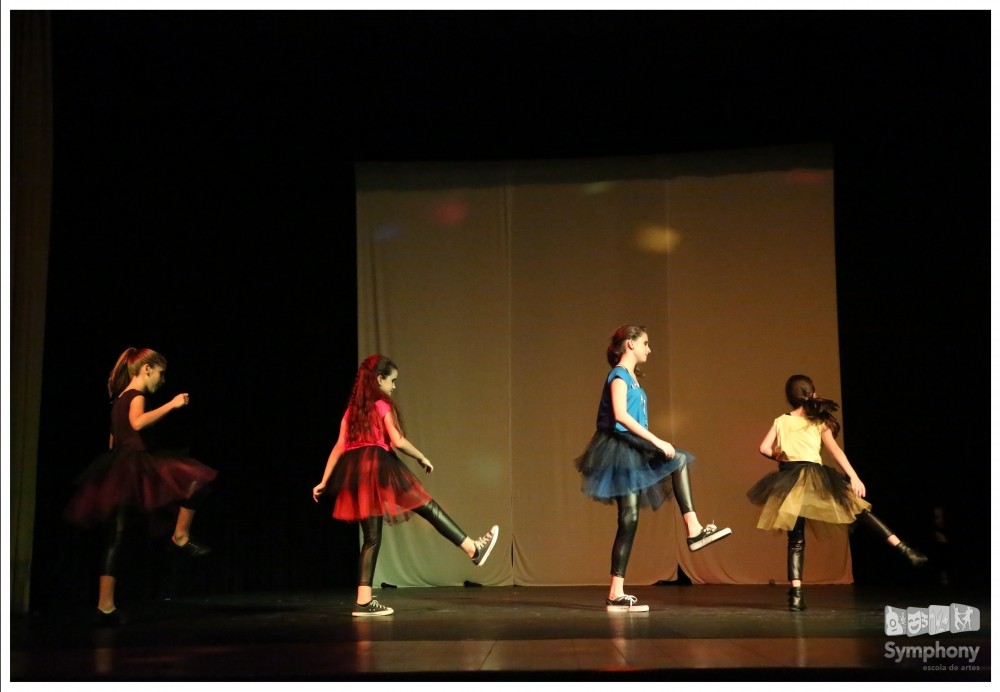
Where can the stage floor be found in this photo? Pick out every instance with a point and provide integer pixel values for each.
(704, 633)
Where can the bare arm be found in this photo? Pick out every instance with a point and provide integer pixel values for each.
(402, 444)
(335, 454)
(619, 399)
(139, 417)
(768, 447)
(838, 454)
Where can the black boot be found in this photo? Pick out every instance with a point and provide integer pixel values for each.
(795, 600)
(915, 557)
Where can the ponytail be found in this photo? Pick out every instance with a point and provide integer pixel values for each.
(821, 411)
(800, 391)
(119, 377)
(128, 365)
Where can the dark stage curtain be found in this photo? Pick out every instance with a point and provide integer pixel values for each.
(30, 212)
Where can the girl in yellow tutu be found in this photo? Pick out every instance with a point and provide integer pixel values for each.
(804, 488)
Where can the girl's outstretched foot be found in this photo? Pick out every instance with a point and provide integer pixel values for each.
(795, 601)
(484, 546)
(915, 557)
(710, 533)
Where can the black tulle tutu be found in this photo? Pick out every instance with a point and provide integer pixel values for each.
(369, 482)
(137, 479)
(616, 464)
(807, 489)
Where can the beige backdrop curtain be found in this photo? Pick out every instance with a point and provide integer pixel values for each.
(495, 288)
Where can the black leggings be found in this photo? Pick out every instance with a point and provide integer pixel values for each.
(115, 532)
(371, 531)
(116, 526)
(796, 549)
(797, 540)
(628, 519)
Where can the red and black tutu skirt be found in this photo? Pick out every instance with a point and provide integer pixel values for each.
(138, 479)
(369, 482)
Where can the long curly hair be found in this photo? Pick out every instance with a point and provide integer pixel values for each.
(362, 416)
(128, 365)
(800, 390)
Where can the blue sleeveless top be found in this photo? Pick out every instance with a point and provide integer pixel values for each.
(635, 402)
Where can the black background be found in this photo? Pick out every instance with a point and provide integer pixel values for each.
(204, 206)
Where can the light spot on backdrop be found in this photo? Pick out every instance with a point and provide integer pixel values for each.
(384, 233)
(449, 212)
(597, 188)
(655, 239)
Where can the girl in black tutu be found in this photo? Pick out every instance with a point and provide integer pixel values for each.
(627, 464)
(804, 488)
(371, 484)
(130, 476)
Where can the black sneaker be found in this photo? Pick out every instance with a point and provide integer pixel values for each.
(371, 609)
(710, 533)
(113, 619)
(625, 604)
(484, 546)
(192, 549)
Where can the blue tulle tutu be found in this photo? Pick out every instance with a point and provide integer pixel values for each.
(619, 463)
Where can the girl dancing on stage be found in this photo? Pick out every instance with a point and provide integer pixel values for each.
(132, 477)
(804, 488)
(631, 466)
(370, 482)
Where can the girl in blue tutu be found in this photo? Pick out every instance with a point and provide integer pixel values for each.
(627, 464)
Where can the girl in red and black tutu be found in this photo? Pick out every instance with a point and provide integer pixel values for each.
(130, 476)
(803, 487)
(371, 484)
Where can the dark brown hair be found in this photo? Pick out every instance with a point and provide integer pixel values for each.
(616, 347)
(800, 391)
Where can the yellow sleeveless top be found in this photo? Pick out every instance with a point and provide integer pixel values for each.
(799, 438)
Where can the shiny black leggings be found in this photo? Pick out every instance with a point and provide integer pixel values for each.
(796, 549)
(371, 531)
(119, 523)
(797, 540)
(115, 532)
(628, 519)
